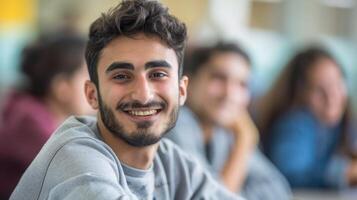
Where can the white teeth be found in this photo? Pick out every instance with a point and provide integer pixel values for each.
(142, 113)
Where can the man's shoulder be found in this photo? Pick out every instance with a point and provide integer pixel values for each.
(169, 149)
(171, 154)
(74, 128)
(73, 150)
(80, 124)
(184, 171)
(186, 115)
(186, 126)
(77, 141)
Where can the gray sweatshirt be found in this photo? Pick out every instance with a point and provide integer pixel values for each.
(75, 163)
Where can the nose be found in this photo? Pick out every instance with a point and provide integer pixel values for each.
(142, 90)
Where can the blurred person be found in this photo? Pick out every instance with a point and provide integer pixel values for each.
(55, 73)
(306, 122)
(216, 128)
(134, 57)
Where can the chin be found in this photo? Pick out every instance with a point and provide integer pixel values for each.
(219, 120)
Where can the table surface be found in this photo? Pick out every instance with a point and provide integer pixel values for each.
(350, 194)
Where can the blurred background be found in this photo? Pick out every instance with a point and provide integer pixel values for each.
(270, 30)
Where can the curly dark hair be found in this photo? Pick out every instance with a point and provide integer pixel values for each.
(131, 17)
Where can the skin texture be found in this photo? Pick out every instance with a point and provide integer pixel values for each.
(146, 79)
(223, 82)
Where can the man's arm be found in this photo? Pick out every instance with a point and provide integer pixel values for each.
(86, 187)
(191, 180)
(85, 169)
(246, 137)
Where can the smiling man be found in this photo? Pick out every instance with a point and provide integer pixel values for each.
(140, 91)
(134, 57)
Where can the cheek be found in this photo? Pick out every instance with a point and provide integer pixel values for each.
(111, 95)
(341, 96)
(316, 103)
(212, 90)
(239, 97)
(168, 91)
(315, 100)
(245, 97)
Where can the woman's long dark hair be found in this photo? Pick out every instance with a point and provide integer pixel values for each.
(286, 94)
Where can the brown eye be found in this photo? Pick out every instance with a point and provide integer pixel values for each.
(218, 76)
(158, 75)
(122, 77)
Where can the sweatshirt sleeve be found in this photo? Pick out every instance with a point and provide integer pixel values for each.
(83, 169)
(190, 180)
(88, 187)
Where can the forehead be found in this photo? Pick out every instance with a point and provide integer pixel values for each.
(324, 71)
(229, 63)
(136, 50)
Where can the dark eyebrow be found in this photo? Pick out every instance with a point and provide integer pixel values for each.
(157, 63)
(119, 65)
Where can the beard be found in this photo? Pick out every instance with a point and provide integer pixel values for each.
(142, 136)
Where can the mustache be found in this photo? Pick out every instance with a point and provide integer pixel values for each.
(138, 105)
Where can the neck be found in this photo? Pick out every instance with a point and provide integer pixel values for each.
(136, 157)
(205, 124)
(207, 129)
(57, 111)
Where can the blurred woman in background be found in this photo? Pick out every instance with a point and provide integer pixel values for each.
(55, 72)
(307, 125)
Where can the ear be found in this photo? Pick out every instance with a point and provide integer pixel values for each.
(183, 89)
(91, 93)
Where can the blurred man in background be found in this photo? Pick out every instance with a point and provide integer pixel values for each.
(216, 127)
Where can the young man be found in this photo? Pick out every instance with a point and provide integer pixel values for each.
(216, 127)
(134, 57)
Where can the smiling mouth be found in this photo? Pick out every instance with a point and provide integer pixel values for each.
(142, 112)
(147, 112)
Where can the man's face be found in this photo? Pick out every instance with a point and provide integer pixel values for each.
(139, 89)
(219, 90)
